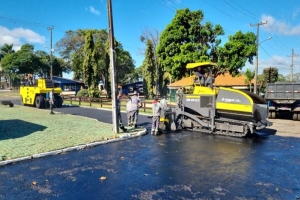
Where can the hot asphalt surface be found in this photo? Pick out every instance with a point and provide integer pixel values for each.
(177, 165)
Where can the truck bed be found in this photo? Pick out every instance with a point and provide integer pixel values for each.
(283, 93)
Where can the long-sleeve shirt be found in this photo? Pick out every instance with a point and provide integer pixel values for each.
(135, 100)
(200, 73)
(156, 107)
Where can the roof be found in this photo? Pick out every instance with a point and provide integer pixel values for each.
(228, 80)
(200, 64)
(65, 80)
(221, 80)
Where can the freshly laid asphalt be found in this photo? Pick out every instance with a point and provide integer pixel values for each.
(175, 165)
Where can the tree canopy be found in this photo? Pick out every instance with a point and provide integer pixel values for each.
(71, 46)
(187, 40)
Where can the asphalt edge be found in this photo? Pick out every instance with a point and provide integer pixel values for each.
(122, 136)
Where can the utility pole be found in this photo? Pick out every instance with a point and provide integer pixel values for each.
(292, 65)
(51, 69)
(112, 68)
(256, 63)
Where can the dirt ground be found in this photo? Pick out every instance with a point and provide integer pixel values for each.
(285, 127)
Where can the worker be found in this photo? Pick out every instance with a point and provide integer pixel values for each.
(129, 111)
(121, 125)
(135, 105)
(156, 108)
(51, 101)
(179, 93)
(200, 75)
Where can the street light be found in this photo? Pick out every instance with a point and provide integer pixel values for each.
(256, 64)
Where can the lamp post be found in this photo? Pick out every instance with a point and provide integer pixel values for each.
(51, 68)
(256, 64)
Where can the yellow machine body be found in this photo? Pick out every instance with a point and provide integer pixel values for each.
(36, 95)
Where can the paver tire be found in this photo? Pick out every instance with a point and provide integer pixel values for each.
(58, 101)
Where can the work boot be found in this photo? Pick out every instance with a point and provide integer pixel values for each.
(123, 129)
(135, 126)
(51, 113)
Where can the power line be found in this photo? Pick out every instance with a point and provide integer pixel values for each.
(256, 17)
(223, 12)
(272, 57)
(24, 22)
(238, 10)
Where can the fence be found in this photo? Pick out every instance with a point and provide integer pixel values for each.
(102, 102)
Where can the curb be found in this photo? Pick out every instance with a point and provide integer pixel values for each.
(122, 136)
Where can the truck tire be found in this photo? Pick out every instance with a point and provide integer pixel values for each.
(39, 102)
(295, 116)
(273, 115)
(270, 115)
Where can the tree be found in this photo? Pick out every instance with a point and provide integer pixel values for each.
(4, 50)
(153, 37)
(90, 66)
(249, 77)
(71, 46)
(133, 76)
(124, 63)
(270, 74)
(281, 78)
(149, 68)
(186, 40)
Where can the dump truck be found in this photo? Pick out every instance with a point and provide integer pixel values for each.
(38, 94)
(283, 100)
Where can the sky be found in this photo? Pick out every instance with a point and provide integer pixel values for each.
(23, 21)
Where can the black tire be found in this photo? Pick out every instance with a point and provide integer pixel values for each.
(270, 115)
(295, 116)
(39, 102)
(273, 115)
(58, 101)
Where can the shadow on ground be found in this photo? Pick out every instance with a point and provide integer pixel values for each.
(266, 132)
(15, 128)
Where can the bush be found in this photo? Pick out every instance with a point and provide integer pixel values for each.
(82, 93)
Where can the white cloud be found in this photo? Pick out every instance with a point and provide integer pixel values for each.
(282, 27)
(94, 11)
(18, 36)
(283, 64)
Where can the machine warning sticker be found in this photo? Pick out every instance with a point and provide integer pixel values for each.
(231, 100)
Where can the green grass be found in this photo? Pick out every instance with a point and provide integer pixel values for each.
(11, 93)
(26, 131)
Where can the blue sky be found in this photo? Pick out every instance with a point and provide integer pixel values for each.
(23, 21)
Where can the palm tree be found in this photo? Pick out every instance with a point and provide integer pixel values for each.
(249, 77)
